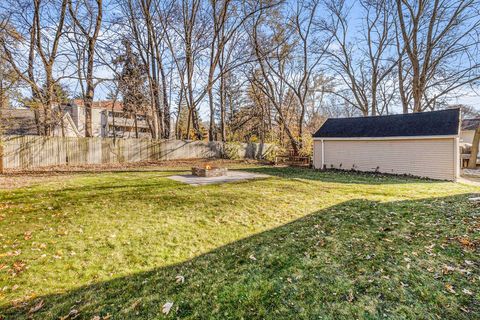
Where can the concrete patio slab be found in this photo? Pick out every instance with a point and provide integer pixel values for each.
(231, 176)
(473, 181)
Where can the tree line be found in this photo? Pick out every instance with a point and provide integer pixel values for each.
(243, 70)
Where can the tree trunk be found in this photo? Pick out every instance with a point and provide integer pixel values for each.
(178, 130)
(472, 163)
(136, 124)
(156, 98)
(189, 120)
(88, 118)
(223, 134)
(47, 104)
(196, 124)
(211, 129)
(2, 95)
(90, 89)
(113, 123)
(1, 156)
(1, 129)
(166, 106)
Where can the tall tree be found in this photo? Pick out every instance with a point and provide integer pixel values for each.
(364, 55)
(9, 80)
(289, 48)
(87, 22)
(41, 26)
(133, 84)
(438, 43)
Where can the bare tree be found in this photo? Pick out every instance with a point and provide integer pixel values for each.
(364, 59)
(87, 22)
(9, 80)
(41, 26)
(440, 41)
(227, 18)
(288, 63)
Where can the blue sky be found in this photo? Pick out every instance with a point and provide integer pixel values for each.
(469, 97)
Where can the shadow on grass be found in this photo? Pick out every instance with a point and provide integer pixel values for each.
(338, 176)
(358, 259)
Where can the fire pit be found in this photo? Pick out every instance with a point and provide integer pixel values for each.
(209, 171)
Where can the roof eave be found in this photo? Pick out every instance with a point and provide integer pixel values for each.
(388, 138)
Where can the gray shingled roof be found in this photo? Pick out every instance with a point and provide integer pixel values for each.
(445, 122)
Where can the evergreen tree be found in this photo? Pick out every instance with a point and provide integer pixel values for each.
(133, 83)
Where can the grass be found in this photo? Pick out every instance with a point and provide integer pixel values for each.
(298, 245)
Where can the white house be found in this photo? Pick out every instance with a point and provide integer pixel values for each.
(108, 120)
(468, 130)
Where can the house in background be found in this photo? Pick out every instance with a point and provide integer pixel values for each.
(108, 120)
(24, 122)
(468, 130)
(420, 144)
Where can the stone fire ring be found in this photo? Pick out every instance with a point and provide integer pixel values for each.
(209, 172)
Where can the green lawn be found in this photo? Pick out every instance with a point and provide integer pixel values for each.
(298, 245)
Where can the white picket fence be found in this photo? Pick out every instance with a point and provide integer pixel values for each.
(27, 152)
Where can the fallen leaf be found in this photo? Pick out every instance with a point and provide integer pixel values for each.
(466, 291)
(350, 296)
(466, 243)
(27, 235)
(37, 307)
(166, 307)
(11, 254)
(449, 288)
(18, 266)
(447, 269)
(179, 279)
(135, 304)
(466, 310)
(73, 314)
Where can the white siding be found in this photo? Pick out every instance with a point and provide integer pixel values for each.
(78, 117)
(431, 158)
(466, 136)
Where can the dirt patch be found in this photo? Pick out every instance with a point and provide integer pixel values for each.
(13, 178)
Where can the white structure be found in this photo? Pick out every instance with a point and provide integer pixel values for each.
(108, 120)
(468, 130)
(420, 144)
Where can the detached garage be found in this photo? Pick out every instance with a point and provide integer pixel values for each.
(421, 144)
